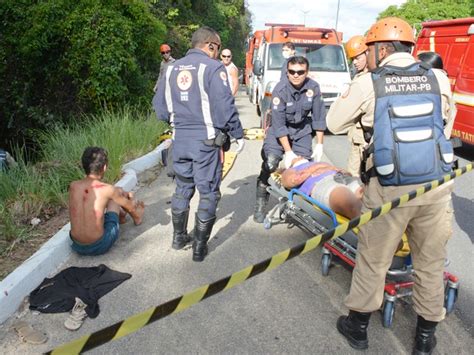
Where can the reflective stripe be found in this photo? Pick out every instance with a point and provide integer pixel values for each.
(414, 136)
(432, 41)
(206, 111)
(385, 169)
(464, 99)
(413, 110)
(169, 101)
(448, 157)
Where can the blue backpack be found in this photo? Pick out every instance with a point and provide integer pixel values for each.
(409, 146)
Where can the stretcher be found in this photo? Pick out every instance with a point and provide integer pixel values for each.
(299, 209)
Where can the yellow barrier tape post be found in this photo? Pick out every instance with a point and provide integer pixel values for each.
(138, 321)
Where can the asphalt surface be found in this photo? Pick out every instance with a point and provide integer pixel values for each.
(292, 309)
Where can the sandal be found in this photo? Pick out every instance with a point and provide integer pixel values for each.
(28, 334)
(77, 316)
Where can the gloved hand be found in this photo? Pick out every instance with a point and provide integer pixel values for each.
(288, 158)
(240, 145)
(317, 152)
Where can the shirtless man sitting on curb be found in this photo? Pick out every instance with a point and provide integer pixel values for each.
(327, 184)
(97, 208)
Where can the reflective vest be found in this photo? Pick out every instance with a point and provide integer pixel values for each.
(409, 146)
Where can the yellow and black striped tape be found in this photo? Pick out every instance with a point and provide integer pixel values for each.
(138, 321)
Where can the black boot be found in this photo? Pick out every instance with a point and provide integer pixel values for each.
(180, 225)
(202, 232)
(262, 199)
(354, 328)
(425, 340)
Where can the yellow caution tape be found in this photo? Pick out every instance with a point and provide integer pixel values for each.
(138, 321)
(254, 133)
(229, 159)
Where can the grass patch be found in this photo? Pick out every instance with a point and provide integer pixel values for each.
(40, 189)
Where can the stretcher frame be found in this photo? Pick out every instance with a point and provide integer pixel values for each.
(314, 217)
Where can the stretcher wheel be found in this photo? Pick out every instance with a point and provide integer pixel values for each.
(387, 313)
(325, 264)
(267, 223)
(450, 297)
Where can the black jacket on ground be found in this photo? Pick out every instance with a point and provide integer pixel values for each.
(57, 294)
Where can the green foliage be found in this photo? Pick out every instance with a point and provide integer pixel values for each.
(30, 190)
(231, 18)
(62, 57)
(417, 11)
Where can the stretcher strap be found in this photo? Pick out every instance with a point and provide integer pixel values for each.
(313, 201)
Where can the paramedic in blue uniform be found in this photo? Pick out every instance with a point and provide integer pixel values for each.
(407, 108)
(297, 112)
(195, 97)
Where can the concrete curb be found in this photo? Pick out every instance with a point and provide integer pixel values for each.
(24, 279)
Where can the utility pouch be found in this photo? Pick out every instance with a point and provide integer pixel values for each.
(219, 141)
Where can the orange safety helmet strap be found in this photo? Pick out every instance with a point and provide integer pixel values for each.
(165, 48)
(390, 29)
(355, 46)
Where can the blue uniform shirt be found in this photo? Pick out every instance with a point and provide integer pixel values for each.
(194, 96)
(291, 109)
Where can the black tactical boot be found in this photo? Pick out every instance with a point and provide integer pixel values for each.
(262, 199)
(354, 328)
(202, 232)
(425, 340)
(180, 225)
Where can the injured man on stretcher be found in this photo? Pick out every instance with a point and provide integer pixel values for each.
(332, 186)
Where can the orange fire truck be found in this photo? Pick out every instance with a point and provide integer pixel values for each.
(453, 40)
(253, 42)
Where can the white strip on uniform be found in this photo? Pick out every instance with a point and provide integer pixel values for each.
(206, 110)
(169, 101)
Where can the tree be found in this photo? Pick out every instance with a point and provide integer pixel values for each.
(60, 57)
(417, 11)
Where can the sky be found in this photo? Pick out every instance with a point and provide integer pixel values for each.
(355, 16)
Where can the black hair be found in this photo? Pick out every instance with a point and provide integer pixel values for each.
(298, 60)
(94, 159)
(289, 45)
(431, 58)
(204, 35)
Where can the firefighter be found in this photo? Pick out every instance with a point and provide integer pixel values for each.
(165, 51)
(194, 96)
(406, 106)
(290, 133)
(357, 51)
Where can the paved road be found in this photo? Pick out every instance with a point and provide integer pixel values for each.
(292, 309)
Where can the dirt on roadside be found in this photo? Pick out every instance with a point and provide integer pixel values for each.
(23, 249)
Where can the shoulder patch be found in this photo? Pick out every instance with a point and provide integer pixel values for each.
(184, 80)
(223, 75)
(310, 93)
(276, 100)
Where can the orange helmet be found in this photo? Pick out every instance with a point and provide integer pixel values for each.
(390, 29)
(165, 48)
(355, 46)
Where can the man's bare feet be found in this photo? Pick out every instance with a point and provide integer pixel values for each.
(137, 214)
(122, 216)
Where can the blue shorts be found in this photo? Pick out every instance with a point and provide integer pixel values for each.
(102, 245)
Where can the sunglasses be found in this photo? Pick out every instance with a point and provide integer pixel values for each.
(226, 56)
(216, 44)
(166, 52)
(299, 72)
